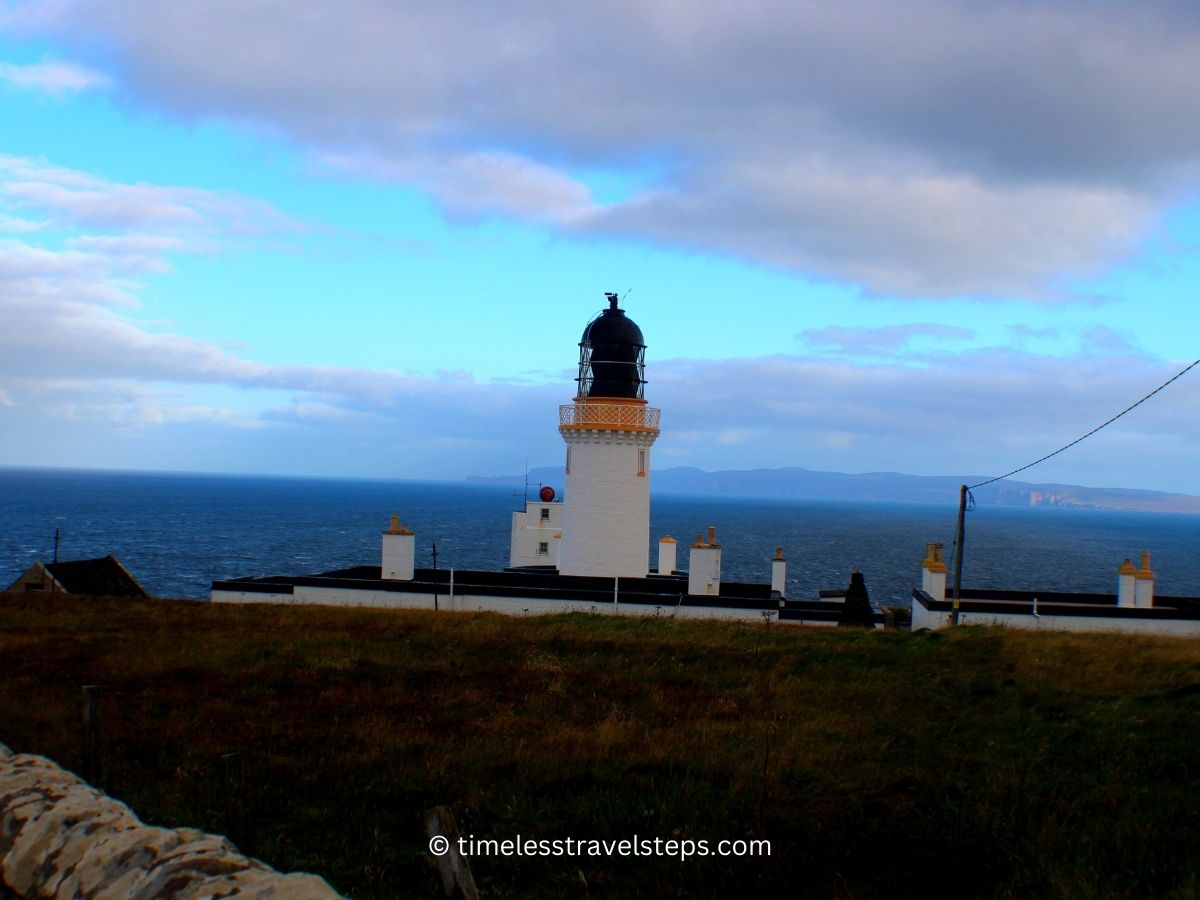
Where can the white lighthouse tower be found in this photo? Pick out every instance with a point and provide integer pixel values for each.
(609, 430)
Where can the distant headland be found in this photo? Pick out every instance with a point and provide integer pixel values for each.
(798, 483)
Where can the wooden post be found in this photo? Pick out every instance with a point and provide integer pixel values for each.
(91, 735)
(457, 880)
(435, 581)
(958, 550)
(232, 788)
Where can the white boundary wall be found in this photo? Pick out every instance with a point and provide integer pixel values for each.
(925, 618)
(513, 606)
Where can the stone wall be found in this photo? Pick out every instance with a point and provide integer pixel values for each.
(60, 837)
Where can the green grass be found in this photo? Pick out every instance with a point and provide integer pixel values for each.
(975, 763)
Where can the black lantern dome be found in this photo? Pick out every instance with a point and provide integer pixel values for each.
(612, 356)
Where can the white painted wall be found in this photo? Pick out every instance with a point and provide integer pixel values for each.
(530, 531)
(924, 618)
(606, 513)
(668, 550)
(396, 559)
(704, 570)
(1126, 594)
(933, 582)
(1143, 591)
(250, 597)
(779, 575)
(516, 606)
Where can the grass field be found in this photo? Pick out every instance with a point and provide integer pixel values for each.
(975, 763)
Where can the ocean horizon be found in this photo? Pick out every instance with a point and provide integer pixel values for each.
(177, 532)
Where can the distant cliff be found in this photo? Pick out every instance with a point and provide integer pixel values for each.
(887, 486)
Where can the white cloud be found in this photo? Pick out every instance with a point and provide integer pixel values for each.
(32, 275)
(94, 236)
(883, 340)
(953, 415)
(52, 77)
(930, 235)
(981, 412)
(17, 225)
(68, 198)
(482, 184)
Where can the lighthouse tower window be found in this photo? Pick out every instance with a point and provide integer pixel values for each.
(641, 462)
(568, 460)
(543, 548)
(545, 514)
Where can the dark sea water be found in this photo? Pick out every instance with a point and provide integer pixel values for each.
(179, 532)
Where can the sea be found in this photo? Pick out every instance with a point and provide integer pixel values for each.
(177, 533)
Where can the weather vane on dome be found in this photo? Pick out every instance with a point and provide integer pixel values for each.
(613, 299)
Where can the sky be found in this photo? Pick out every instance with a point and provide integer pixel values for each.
(362, 239)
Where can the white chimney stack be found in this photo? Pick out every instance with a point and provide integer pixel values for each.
(1144, 587)
(399, 551)
(779, 573)
(704, 568)
(1126, 581)
(933, 572)
(667, 550)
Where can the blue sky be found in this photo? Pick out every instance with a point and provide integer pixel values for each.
(931, 237)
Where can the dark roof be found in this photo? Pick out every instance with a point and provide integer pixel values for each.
(659, 590)
(613, 327)
(1055, 603)
(103, 577)
(611, 355)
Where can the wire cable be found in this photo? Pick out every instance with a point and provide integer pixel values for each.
(1175, 377)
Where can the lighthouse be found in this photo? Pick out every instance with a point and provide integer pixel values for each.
(609, 431)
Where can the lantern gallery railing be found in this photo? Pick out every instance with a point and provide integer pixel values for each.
(611, 416)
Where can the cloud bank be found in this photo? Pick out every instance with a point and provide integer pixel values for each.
(81, 365)
(914, 148)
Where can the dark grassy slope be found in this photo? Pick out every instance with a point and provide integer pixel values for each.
(979, 763)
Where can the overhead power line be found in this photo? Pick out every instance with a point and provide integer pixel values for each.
(1175, 377)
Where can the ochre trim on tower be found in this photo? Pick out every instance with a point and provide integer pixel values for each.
(608, 414)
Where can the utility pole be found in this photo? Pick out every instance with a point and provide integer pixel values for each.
(55, 563)
(435, 579)
(958, 550)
